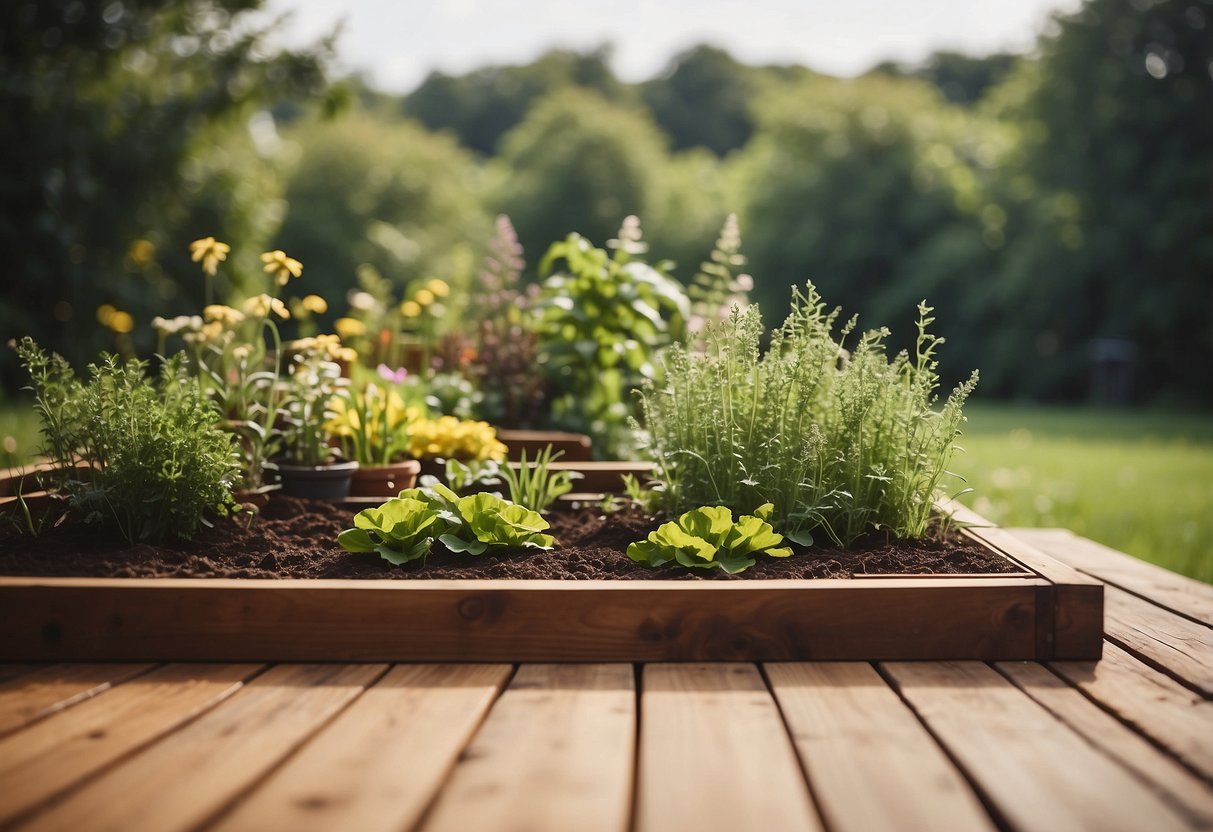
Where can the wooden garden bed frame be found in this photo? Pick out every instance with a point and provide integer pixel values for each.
(1045, 611)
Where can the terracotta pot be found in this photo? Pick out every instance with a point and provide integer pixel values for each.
(317, 482)
(385, 480)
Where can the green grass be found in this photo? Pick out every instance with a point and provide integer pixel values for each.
(1140, 482)
(19, 436)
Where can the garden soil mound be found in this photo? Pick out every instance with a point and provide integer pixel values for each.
(297, 539)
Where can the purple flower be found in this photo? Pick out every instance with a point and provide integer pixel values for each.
(396, 376)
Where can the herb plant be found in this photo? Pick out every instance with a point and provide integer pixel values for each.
(841, 440)
(144, 458)
(602, 318)
(707, 538)
(533, 485)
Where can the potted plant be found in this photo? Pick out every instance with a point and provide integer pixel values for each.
(372, 426)
(311, 467)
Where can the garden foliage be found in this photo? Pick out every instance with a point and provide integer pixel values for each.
(147, 459)
(708, 538)
(840, 439)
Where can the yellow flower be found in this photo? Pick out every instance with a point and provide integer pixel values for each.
(349, 327)
(210, 251)
(121, 322)
(225, 315)
(104, 313)
(142, 252)
(282, 267)
(448, 437)
(410, 309)
(424, 297)
(314, 304)
(438, 287)
(261, 306)
(347, 354)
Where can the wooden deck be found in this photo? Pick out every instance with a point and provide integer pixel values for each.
(1125, 743)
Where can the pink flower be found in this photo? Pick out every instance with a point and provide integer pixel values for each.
(396, 376)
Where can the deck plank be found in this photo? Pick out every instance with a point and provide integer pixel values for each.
(1172, 643)
(715, 754)
(1176, 592)
(380, 763)
(184, 781)
(1187, 792)
(1157, 705)
(52, 755)
(11, 670)
(41, 692)
(870, 763)
(1034, 771)
(556, 753)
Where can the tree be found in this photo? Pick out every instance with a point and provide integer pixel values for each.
(577, 163)
(481, 106)
(107, 113)
(703, 100)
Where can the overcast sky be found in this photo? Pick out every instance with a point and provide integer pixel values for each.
(396, 44)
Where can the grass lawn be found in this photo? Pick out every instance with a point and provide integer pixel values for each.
(1140, 482)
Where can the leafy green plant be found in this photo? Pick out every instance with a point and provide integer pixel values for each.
(718, 286)
(405, 527)
(312, 382)
(602, 318)
(533, 485)
(707, 538)
(147, 459)
(842, 440)
(400, 530)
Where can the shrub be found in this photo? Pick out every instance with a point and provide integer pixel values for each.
(840, 440)
(149, 460)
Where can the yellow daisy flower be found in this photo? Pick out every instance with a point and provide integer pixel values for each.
(225, 315)
(438, 287)
(410, 309)
(262, 306)
(349, 327)
(282, 267)
(210, 251)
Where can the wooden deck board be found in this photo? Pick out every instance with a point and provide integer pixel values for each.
(1158, 706)
(1177, 593)
(1184, 790)
(714, 753)
(40, 692)
(1116, 744)
(184, 781)
(1174, 644)
(1030, 766)
(380, 763)
(555, 753)
(870, 763)
(50, 756)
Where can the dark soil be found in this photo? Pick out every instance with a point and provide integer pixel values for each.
(297, 539)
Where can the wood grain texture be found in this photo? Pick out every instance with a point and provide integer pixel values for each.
(1174, 644)
(380, 763)
(556, 753)
(52, 755)
(1177, 593)
(715, 755)
(500, 620)
(1190, 795)
(202, 767)
(1035, 771)
(1154, 703)
(575, 447)
(870, 763)
(41, 692)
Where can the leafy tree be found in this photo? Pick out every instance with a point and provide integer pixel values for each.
(702, 100)
(109, 118)
(963, 79)
(481, 106)
(384, 192)
(578, 162)
(1107, 195)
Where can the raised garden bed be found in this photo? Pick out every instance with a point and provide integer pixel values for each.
(1038, 609)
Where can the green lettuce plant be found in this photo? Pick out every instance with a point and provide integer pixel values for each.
(405, 527)
(708, 538)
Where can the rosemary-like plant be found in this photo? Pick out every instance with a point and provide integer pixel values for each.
(841, 442)
(535, 487)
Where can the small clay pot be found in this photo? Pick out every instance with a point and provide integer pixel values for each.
(385, 480)
(317, 482)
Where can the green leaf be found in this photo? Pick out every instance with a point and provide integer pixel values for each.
(710, 523)
(764, 511)
(355, 540)
(458, 544)
(802, 537)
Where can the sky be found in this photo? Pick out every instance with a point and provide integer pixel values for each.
(396, 44)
